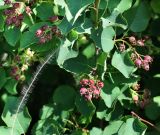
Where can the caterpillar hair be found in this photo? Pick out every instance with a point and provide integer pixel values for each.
(27, 89)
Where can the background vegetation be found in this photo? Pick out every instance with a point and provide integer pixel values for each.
(80, 67)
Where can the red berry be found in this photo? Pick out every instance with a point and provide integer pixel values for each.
(17, 77)
(17, 23)
(88, 97)
(53, 18)
(83, 91)
(8, 20)
(39, 33)
(42, 40)
(96, 92)
(28, 10)
(91, 82)
(7, 2)
(6, 12)
(132, 39)
(16, 5)
(48, 37)
(148, 58)
(122, 47)
(84, 82)
(100, 84)
(14, 19)
(145, 65)
(140, 42)
(14, 70)
(54, 29)
(138, 63)
(20, 16)
(45, 27)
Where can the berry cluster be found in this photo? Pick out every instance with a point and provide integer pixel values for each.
(142, 61)
(90, 88)
(7, 2)
(143, 99)
(45, 33)
(13, 17)
(137, 42)
(20, 64)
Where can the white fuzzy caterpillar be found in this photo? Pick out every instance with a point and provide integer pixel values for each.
(28, 88)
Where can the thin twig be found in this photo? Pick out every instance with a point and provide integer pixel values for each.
(145, 121)
(96, 6)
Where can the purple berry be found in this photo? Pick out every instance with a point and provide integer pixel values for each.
(8, 20)
(6, 12)
(17, 23)
(14, 19)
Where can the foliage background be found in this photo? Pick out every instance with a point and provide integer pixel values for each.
(91, 32)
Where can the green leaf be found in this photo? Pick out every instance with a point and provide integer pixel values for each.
(79, 132)
(107, 39)
(46, 127)
(123, 63)
(65, 26)
(11, 85)
(44, 11)
(132, 126)
(152, 111)
(12, 35)
(38, 25)
(140, 16)
(64, 96)
(3, 6)
(110, 93)
(155, 4)
(101, 110)
(117, 7)
(86, 108)
(89, 51)
(66, 53)
(2, 22)
(27, 39)
(7, 131)
(123, 5)
(73, 8)
(119, 79)
(8, 116)
(50, 45)
(113, 128)
(96, 131)
(79, 64)
(46, 112)
(3, 78)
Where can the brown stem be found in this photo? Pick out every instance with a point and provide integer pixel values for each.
(145, 121)
(96, 6)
